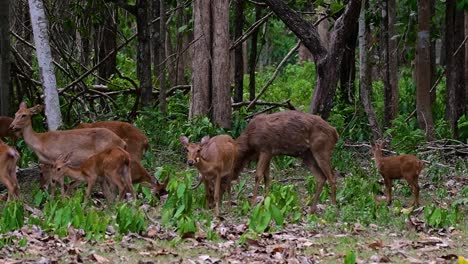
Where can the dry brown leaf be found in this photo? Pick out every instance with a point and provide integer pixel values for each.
(376, 244)
(99, 259)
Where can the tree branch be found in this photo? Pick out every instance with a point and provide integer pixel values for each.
(123, 4)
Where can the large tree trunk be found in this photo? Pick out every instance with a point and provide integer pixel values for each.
(365, 73)
(253, 54)
(46, 67)
(201, 73)
(144, 52)
(390, 78)
(162, 59)
(433, 55)
(326, 61)
(455, 95)
(238, 52)
(221, 90)
(348, 68)
(107, 42)
(466, 62)
(423, 70)
(4, 58)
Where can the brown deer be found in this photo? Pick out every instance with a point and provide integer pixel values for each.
(8, 158)
(404, 166)
(48, 146)
(140, 175)
(111, 166)
(291, 133)
(214, 159)
(137, 142)
(5, 130)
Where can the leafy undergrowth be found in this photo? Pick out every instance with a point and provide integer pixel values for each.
(361, 229)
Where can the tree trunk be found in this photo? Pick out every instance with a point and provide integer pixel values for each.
(389, 49)
(433, 55)
(162, 58)
(348, 68)
(107, 42)
(220, 81)
(365, 73)
(46, 67)
(423, 70)
(253, 54)
(466, 63)
(4, 58)
(201, 68)
(156, 45)
(455, 94)
(144, 52)
(326, 61)
(181, 41)
(238, 52)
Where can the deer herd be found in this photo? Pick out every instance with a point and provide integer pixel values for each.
(109, 153)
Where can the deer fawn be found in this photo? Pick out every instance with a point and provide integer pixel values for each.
(8, 158)
(5, 130)
(50, 145)
(404, 166)
(111, 166)
(214, 159)
(291, 133)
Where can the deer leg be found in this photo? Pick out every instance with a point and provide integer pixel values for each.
(217, 196)
(10, 187)
(388, 190)
(263, 163)
(323, 162)
(319, 178)
(106, 190)
(91, 182)
(14, 181)
(413, 182)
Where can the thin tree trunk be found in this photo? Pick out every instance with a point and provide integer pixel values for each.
(220, 80)
(253, 54)
(365, 73)
(162, 58)
(423, 70)
(156, 39)
(348, 68)
(389, 49)
(4, 58)
(144, 52)
(466, 63)
(46, 67)
(433, 55)
(201, 68)
(238, 52)
(107, 42)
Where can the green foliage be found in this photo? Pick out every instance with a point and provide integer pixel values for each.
(440, 217)
(129, 219)
(463, 128)
(405, 134)
(12, 216)
(350, 258)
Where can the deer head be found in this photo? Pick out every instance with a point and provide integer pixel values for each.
(23, 116)
(193, 149)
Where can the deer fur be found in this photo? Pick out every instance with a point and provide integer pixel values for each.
(8, 159)
(290, 133)
(50, 145)
(404, 166)
(214, 159)
(137, 142)
(111, 166)
(6, 132)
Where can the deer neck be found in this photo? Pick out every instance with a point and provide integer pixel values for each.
(31, 138)
(203, 165)
(75, 173)
(378, 157)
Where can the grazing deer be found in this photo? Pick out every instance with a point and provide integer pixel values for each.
(5, 130)
(291, 133)
(404, 166)
(50, 145)
(111, 166)
(8, 158)
(137, 142)
(139, 175)
(214, 159)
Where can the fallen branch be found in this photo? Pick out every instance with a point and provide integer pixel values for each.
(286, 104)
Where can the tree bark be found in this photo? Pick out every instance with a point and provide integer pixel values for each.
(253, 54)
(348, 68)
(201, 73)
(238, 52)
(433, 54)
(455, 94)
(423, 70)
(162, 59)
(144, 52)
(107, 42)
(365, 73)
(389, 49)
(326, 61)
(466, 63)
(46, 67)
(220, 81)
(5, 58)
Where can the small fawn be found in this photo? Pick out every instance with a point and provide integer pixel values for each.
(404, 166)
(8, 158)
(111, 166)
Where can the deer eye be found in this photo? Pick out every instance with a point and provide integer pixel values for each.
(198, 150)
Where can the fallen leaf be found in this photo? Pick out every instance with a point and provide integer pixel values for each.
(376, 244)
(99, 259)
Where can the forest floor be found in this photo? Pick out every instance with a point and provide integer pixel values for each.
(405, 237)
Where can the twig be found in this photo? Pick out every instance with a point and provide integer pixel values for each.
(286, 104)
(250, 30)
(290, 53)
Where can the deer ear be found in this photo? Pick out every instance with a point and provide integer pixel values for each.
(36, 109)
(67, 157)
(205, 140)
(23, 105)
(184, 140)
